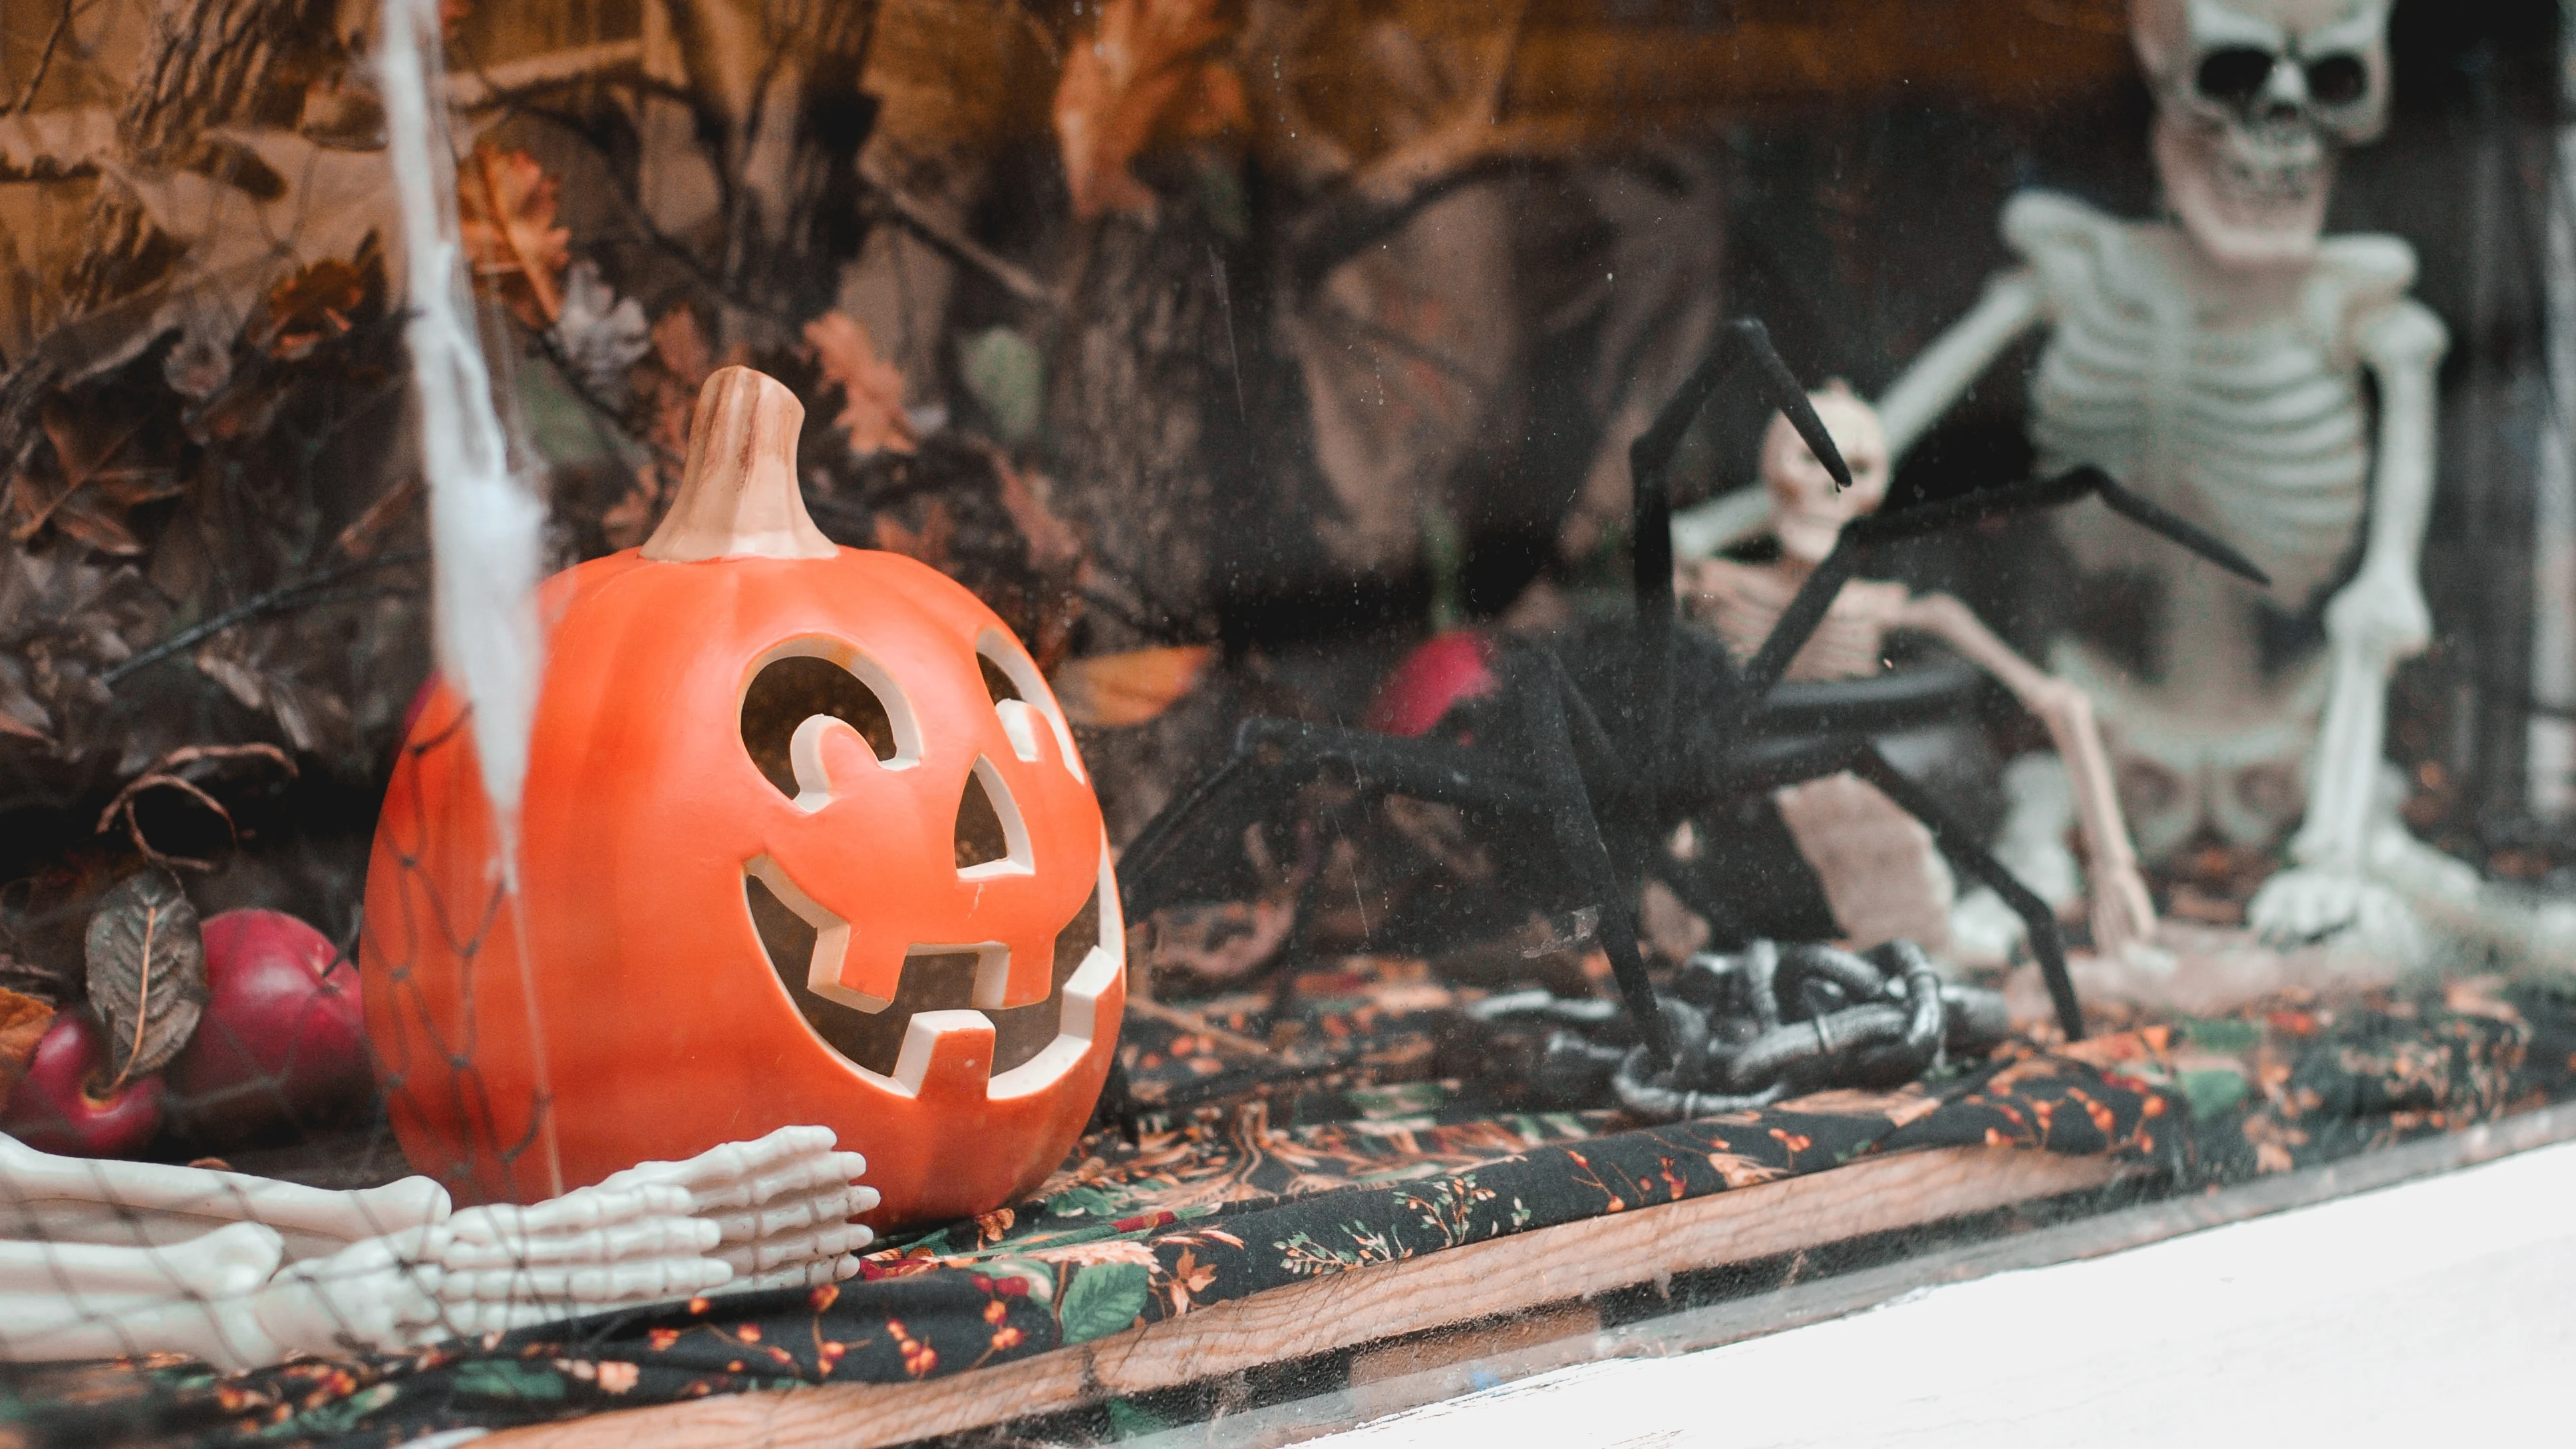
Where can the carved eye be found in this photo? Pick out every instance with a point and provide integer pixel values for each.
(787, 692)
(2235, 75)
(2338, 80)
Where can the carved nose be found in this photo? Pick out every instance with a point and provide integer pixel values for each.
(992, 836)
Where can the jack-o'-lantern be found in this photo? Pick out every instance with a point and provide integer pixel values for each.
(804, 839)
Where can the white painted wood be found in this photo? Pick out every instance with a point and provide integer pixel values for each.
(2435, 1311)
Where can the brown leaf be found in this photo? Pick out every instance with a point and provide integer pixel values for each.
(92, 482)
(872, 412)
(23, 1020)
(1112, 690)
(629, 521)
(680, 345)
(1141, 78)
(505, 211)
(930, 545)
(668, 380)
(147, 972)
(85, 520)
(1053, 543)
(314, 306)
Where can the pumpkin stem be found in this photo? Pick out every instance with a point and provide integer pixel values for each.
(738, 494)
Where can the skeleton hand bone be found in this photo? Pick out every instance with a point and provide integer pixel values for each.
(769, 1213)
(782, 1205)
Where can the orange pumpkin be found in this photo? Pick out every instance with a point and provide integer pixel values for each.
(802, 830)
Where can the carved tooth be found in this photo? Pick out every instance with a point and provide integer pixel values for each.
(946, 1054)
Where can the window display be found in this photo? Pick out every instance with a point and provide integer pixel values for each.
(935, 718)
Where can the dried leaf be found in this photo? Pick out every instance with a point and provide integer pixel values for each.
(23, 1020)
(930, 545)
(1054, 544)
(1143, 77)
(83, 519)
(299, 204)
(872, 413)
(314, 306)
(680, 345)
(669, 380)
(505, 212)
(629, 521)
(147, 972)
(93, 479)
(1113, 690)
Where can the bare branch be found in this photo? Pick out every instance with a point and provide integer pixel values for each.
(498, 85)
(44, 59)
(305, 590)
(955, 245)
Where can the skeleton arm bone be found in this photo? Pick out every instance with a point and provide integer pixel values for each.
(2122, 913)
(64, 1193)
(1954, 362)
(2380, 617)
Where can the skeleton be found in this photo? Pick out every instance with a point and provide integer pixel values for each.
(102, 1258)
(1806, 513)
(2214, 364)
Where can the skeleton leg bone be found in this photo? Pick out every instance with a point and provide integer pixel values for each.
(2124, 919)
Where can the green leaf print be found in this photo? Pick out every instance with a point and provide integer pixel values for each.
(1102, 1299)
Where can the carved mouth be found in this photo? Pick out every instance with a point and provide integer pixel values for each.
(1038, 1041)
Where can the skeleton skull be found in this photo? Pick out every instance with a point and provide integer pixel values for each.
(1808, 510)
(2253, 98)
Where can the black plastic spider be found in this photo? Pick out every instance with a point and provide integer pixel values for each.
(1606, 743)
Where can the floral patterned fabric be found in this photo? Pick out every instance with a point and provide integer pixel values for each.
(1340, 1148)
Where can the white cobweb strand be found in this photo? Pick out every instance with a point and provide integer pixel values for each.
(485, 526)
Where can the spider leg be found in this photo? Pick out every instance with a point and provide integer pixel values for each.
(2038, 493)
(1806, 610)
(1273, 755)
(1792, 765)
(1743, 341)
(1568, 807)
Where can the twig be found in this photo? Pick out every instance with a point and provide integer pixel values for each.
(589, 397)
(642, 224)
(163, 774)
(1371, 330)
(1196, 1025)
(956, 246)
(286, 596)
(501, 85)
(44, 60)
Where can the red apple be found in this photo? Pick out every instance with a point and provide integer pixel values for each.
(65, 1105)
(281, 1043)
(1441, 671)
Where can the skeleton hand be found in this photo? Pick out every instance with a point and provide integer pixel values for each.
(2381, 614)
(782, 1205)
(495, 1269)
(2315, 903)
